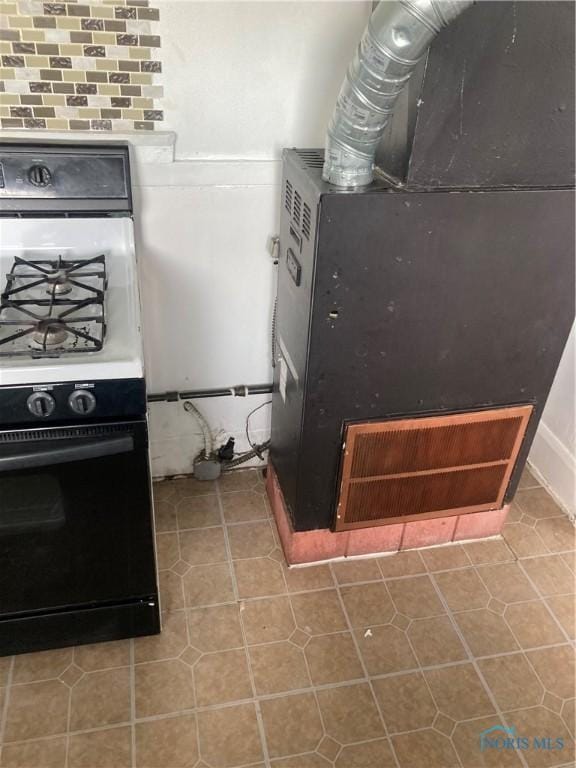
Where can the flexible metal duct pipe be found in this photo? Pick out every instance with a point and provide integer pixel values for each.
(397, 36)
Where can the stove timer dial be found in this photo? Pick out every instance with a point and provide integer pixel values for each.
(39, 176)
(82, 402)
(41, 404)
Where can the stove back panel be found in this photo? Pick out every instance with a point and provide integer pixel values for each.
(412, 303)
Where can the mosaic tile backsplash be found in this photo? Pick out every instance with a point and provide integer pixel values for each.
(79, 66)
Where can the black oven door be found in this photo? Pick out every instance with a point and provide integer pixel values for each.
(75, 517)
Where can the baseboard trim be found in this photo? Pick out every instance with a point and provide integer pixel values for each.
(555, 467)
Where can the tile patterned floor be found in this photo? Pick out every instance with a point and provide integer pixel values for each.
(391, 662)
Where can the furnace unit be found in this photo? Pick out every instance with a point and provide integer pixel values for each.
(420, 325)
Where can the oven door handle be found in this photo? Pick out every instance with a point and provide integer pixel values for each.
(94, 449)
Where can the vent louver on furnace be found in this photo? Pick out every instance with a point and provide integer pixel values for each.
(300, 212)
(411, 469)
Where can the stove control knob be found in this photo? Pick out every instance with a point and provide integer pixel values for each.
(41, 404)
(39, 176)
(82, 402)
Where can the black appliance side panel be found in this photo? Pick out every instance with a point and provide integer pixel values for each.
(497, 105)
(295, 285)
(446, 301)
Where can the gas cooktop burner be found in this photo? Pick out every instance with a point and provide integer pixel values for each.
(50, 308)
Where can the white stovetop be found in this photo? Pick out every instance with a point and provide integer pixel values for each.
(121, 356)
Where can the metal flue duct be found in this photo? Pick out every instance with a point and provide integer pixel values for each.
(397, 36)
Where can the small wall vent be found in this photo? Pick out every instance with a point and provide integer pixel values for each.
(306, 221)
(288, 197)
(312, 158)
(411, 469)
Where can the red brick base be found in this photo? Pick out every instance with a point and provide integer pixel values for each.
(322, 544)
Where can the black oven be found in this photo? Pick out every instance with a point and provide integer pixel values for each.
(76, 535)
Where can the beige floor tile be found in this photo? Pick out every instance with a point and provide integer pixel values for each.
(251, 539)
(333, 659)
(507, 582)
(91, 658)
(466, 740)
(527, 480)
(187, 487)
(308, 579)
(171, 591)
(532, 625)
(36, 710)
(563, 607)
(416, 597)
(278, 667)
(5, 663)
(168, 743)
(512, 681)
(425, 748)
(558, 533)
(229, 737)
(221, 678)
(47, 753)
(445, 558)
(163, 687)
(372, 754)
(292, 724)
(435, 641)
(319, 613)
(32, 667)
(163, 490)
(537, 503)
(401, 564)
(215, 628)
(539, 720)
(101, 698)
(458, 692)
(491, 551)
(550, 574)
(208, 585)
(556, 669)
(203, 546)
(385, 650)
(243, 506)
(405, 702)
(462, 590)
(101, 749)
(199, 512)
(486, 633)
(241, 480)
(165, 516)
(310, 760)
(169, 644)
(350, 713)
(350, 571)
(523, 540)
(569, 715)
(261, 577)
(267, 620)
(167, 550)
(367, 604)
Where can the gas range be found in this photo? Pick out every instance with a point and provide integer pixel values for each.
(75, 492)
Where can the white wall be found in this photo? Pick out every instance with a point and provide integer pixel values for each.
(242, 80)
(553, 453)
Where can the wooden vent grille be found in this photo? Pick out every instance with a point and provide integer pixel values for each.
(435, 466)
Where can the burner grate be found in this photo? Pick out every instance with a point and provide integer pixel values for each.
(50, 308)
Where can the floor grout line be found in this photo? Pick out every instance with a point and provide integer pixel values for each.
(474, 662)
(4, 713)
(259, 718)
(367, 677)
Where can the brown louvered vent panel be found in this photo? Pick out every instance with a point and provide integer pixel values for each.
(435, 466)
